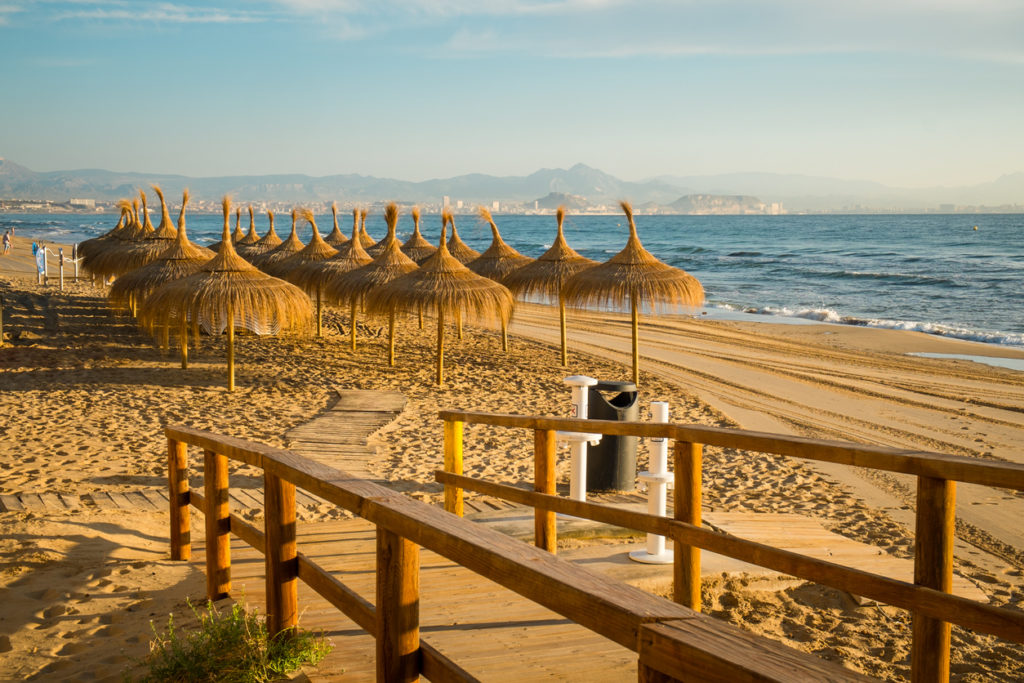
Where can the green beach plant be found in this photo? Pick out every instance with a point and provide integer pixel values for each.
(229, 646)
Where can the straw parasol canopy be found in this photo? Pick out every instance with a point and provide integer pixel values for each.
(354, 285)
(364, 236)
(229, 292)
(180, 259)
(634, 276)
(289, 247)
(337, 237)
(317, 250)
(237, 236)
(244, 246)
(90, 247)
(416, 247)
(497, 262)
(137, 254)
(446, 286)
(111, 259)
(267, 243)
(456, 247)
(311, 276)
(547, 274)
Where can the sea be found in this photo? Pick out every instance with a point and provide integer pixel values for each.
(953, 275)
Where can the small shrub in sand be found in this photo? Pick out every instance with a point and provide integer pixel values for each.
(229, 646)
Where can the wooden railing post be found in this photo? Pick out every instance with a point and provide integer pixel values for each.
(544, 445)
(218, 525)
(688, 459)
(281, 557)
(453, 463)
(933, 568)
(398, 608)
(177, 493)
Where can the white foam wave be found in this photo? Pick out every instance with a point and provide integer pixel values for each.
(828, 315)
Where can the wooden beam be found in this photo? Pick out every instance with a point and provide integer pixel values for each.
(177, 493)
(695, 650)
(921, 463)
(398, 608)
(280, 554)
(1008, 624)
(933, 568)
(218, 525)
(688, 459)
(545, 529)
(453, 496)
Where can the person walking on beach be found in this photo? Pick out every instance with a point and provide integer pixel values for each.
(7, 241)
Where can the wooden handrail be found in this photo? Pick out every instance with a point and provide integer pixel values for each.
(605, 606)
(921, 463)
(997, 621)
(928, 598)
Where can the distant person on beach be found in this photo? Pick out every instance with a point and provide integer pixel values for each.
(7, 241)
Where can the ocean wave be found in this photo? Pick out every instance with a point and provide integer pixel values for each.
(746, 253)
(828, 315)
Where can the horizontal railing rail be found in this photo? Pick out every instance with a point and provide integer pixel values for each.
(617, 611)
(929, 597)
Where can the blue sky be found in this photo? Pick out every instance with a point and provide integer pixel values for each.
(907, 92)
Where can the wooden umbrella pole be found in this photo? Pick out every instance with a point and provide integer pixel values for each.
(421, 315)
(183, 343)
(561, 329)
(231, 349)
(458, 320)
(440, 346)
(504, 335)
(319, 314)
(391, 338)
(636, 342)
(352, 322)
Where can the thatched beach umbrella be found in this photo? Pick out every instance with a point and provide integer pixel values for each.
(237, 236)
(416, 247)
(111, 259)
(456, 247)
(317, 250)
(245, 245)
(354, 285)
(137, 254)
(90, 247)
(337, 237)
(497, 262)
(351, 255)
(634, 276)
(286, 249)
(229, 292)
(364, 236)
(267, 243)
(449, 288)
(547, 274)
(180, 259)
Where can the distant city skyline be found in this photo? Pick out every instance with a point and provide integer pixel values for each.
(910, 94)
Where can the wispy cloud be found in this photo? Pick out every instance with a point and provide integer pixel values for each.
(171, 13)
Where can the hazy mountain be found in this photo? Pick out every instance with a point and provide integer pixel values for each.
(553, 200)
(596, 187)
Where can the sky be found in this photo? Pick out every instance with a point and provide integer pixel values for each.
(911, 93)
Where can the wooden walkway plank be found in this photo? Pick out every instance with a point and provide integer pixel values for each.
(32, 501)
(71, 501)
(52, 501)
(10, 503)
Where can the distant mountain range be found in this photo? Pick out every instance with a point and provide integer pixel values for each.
(584, 186)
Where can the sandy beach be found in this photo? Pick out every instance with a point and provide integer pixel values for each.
(84, 395)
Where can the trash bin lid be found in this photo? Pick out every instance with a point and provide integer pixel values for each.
(611, 385)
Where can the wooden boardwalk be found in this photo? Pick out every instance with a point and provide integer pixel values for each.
(491, 632)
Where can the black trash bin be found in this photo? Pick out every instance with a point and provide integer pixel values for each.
(611, 464)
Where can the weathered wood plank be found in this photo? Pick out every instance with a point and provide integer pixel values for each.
(11, 503)
(71, 501)
(52, 502)
(32, 501)
(696, 649)
(121, 500)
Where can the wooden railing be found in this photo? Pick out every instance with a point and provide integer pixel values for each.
(929, 598)
(672, 641)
